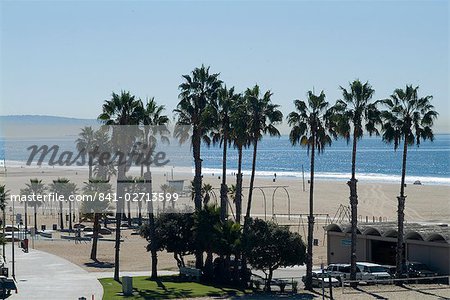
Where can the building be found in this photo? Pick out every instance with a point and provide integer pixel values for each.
(376, 242)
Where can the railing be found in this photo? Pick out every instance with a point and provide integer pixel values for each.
(438, 280)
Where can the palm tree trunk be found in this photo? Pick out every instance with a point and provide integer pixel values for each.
(249, 204)
(223, 187)
(35, 218)
(70, 215)
(151, 224)
(119, 211)
(129, 213)
(309, 254)
(252, 180)
(61, 218)
(238, 197)
(26, 215)
(197, 187)
(96, 230)
(198, 170)
(140, 213)
(401, 214)
(4, 224)
(354, 210)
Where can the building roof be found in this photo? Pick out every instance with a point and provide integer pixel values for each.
(412, 231)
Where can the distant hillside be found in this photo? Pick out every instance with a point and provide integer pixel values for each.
(45, 120)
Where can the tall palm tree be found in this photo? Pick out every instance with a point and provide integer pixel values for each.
(197, 92)
(409, 118)
(85, 143)
(95, 208)
(263, 116)
(240, 137)
(122, 109)
(63, 186)
(310, 128)
(35, 187)
(155, 123)
(353, 115)
(222, 110)
(3, 196)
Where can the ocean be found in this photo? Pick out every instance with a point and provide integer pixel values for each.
(376, 160)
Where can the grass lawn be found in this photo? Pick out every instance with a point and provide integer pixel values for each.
(167, 287)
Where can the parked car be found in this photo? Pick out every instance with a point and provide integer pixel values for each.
(105, 230)
(364, 271)
(339, 271)
(319, 279)
(374, 271)
(390, 269)
(419, 270)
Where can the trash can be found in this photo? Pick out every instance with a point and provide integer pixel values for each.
(127, 285)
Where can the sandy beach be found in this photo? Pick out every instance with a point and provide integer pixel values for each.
(425, 203)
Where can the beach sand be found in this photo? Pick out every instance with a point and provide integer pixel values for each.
(424, 203)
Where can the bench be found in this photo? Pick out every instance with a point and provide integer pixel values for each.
(190, 272)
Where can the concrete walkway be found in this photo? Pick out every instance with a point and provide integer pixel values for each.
(41, 275)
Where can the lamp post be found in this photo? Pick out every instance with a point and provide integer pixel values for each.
(12, 244)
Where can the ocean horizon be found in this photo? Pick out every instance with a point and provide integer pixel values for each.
(376, 161)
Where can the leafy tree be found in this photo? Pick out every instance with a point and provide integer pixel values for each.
(205, 234)
(354, 114)
(269, 247)
(173, 233)
(121, 109)
(408, 118)
(227, 243)
(310, 129)
(197, 92)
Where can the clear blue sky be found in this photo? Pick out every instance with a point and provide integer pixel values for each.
(65, 58)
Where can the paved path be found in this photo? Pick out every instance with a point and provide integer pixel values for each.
(41, 275)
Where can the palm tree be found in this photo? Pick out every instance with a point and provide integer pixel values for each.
(63, 186)
(240, 137)
(3, 196)
(351, 115)
(155, 122)
(35, 187)
(24, 195)
(96, 207)
(310, 129)
(197, 92)
(85, 144)
(122, 109)
(263, 115)
(409, 118)
(222, 110)
(102, 142)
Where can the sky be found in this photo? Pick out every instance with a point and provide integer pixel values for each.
(66, 58)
